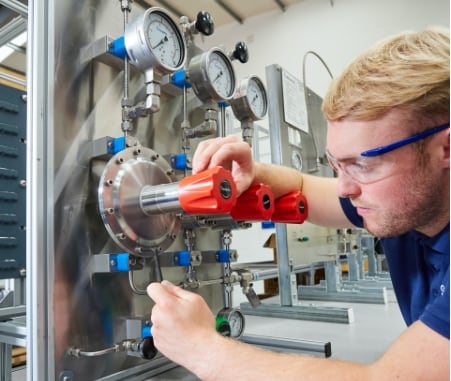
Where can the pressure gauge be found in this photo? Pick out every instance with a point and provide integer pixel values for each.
(235, 319)
(154, 41)
(250, 100)
(212, 76)
(296, 160)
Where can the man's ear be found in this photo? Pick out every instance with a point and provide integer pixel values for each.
(445, 148)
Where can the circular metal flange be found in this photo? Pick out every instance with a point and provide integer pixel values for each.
(120, 187)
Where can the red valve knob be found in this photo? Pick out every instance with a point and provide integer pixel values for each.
(291, 209)
(209, 192)
(255, 204)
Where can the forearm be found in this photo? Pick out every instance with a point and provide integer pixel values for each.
(320, 192)
(252, 363)
(282, 180)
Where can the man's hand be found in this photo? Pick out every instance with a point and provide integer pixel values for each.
(229, 152)
(182, 323)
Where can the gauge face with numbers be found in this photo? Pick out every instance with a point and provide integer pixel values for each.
(256, 96)
(296, 160)
(221, 75)
(164, 39)
(212, 76)
(235, 319)
(154, 42)
(250, 101)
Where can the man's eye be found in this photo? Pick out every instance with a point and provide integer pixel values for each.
(360, 166)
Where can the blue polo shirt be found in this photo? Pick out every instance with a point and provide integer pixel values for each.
(419, 269)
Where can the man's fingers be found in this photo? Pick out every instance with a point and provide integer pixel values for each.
(165, 291)
(206, 151)
(173, 289)
(158, 292)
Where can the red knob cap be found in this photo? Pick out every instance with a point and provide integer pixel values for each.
(291, 209)
(255, 204)
(209, 192)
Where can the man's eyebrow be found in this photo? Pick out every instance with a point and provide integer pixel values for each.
(357, 156)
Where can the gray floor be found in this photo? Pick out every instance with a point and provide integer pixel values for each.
(374, 329)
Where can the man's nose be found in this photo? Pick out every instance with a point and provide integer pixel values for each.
(347, 186)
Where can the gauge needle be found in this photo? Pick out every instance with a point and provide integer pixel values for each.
(163, 40)
(218, 76)
(255, 98)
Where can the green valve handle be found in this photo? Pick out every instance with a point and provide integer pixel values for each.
(223, 326)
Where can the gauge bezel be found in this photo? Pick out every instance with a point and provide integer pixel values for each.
(297, 161)
(138, 47)
(200, 80)
(226, 312)
(240, 103)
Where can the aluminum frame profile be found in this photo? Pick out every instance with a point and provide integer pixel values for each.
(40, 66)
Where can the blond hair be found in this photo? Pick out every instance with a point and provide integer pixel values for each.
(409, 71)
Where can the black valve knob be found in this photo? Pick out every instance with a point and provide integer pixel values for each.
(147, 348)
(204, 23)
(241, 53)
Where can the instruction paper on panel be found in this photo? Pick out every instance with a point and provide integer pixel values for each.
(294, 106)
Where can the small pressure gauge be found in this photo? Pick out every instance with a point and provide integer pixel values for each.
(154, 41)
(296, 160)
(250, 101)
(212, 76)
(235, 319)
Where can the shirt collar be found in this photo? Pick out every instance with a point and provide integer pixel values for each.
(438, 243)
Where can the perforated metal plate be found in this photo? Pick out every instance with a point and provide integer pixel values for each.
(12, 183)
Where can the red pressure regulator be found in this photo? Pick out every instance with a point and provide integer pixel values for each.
(255, 204)
(290, 209)
(212, 191)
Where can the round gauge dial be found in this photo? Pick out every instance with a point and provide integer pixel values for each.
(250, 101)
(154, 41)
(220, 73)
(163, 39)
(296, 160)
(212, 76)
(235, 319)
(256, 96)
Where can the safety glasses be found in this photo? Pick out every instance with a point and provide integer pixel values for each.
(370, 166)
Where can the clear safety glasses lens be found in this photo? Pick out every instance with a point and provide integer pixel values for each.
(364, 170)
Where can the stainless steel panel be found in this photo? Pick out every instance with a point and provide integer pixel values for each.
(71, 105)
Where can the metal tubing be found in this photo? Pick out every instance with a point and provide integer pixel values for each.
(265, 274)
(7, 313)
(125, 116)
(288, 345)
(301, 312)
(12, 29)
(14, 332)
(222, 128)
(13, 79)
(133, 287)
(16, 6)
